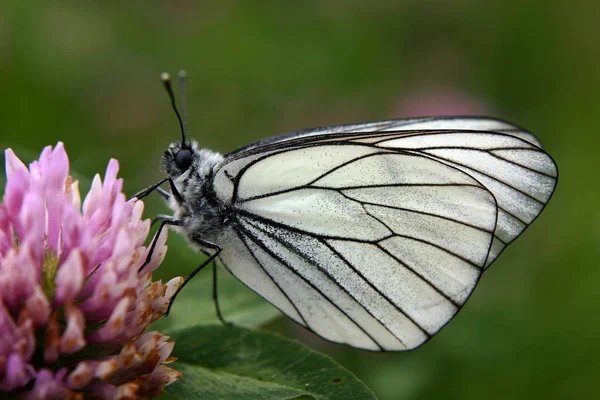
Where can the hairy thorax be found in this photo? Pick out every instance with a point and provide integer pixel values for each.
(200, 212)
(202, 216)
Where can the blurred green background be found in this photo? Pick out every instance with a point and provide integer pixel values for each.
(87, 74)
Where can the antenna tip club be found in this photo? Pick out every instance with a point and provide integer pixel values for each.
(165, 77)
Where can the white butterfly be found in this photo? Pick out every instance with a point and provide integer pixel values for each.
(372, 234)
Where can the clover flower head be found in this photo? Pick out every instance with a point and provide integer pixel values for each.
(73, 307)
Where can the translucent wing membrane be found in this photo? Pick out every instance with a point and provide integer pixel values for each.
(376, 239)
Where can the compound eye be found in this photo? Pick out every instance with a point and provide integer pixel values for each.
(183, 159)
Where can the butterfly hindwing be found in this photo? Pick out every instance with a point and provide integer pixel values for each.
(506, 159)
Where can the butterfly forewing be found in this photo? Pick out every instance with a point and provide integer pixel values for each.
(365, 245)
(375, 234)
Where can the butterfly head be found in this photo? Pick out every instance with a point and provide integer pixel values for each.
(188, 165)
(178, 158)
(189, 160)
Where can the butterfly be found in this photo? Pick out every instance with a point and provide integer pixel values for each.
(374, 234)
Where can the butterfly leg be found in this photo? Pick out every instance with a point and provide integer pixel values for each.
(166, 195)
(166, 220)
(216, 298)
(145, 192)
(160, 217)
(204, 243)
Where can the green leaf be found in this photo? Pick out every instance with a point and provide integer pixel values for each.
(195, 306)
(230, 362)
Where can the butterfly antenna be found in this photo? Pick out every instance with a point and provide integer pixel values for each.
(183, 90)
(166, 78)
